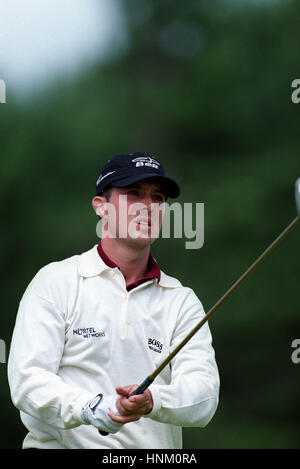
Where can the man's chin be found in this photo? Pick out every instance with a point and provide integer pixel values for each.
(140, 241)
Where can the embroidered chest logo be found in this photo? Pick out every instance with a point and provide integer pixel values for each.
(88, 332)
(155, 345)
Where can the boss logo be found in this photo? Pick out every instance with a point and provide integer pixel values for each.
(155, 345)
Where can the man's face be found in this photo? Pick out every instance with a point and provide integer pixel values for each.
(135, 213)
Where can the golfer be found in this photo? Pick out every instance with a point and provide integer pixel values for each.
(90, 328)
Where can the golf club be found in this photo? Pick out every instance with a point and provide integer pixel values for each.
(146, 383)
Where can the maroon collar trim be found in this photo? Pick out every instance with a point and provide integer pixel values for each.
(153, 270)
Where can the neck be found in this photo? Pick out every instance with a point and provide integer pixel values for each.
(131, 261)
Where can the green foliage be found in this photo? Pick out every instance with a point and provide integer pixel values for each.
(206, 87)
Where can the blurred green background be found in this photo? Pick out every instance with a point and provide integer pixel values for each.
(206, 87)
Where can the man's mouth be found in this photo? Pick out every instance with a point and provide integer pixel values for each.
(146, 223)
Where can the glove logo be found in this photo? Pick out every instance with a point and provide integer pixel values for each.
(95, 402)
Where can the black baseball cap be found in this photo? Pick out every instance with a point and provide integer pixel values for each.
(124, 170)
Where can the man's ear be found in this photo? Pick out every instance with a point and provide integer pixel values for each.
(99, 205)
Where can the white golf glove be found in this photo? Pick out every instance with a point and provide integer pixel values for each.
(95, 412)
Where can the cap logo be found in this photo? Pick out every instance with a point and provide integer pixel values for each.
(100, 178)
(145, 161)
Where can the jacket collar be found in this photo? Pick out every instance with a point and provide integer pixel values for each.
(90, 264)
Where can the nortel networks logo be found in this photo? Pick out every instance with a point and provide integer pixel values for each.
(88, 332)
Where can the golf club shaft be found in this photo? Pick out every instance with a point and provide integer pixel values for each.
(153, 375)
(146, 383)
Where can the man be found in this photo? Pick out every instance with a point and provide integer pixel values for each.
(90, 328)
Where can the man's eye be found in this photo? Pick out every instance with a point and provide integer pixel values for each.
(158, 198)
(133, 192)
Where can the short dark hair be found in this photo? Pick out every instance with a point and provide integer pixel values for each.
(107, 194)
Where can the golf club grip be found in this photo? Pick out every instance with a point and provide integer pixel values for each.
(142, 387)
(139, 390)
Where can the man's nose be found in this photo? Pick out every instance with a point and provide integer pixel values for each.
(147, 201)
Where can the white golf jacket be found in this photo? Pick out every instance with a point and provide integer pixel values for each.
(79, 332)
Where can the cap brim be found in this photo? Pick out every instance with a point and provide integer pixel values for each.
(171, 187)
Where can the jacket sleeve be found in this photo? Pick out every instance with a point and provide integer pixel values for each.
(191, 398)
(35, 354)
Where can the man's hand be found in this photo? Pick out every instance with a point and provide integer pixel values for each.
(96, 413)
(133, 408)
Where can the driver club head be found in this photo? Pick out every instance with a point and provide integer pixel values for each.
(297, 195)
